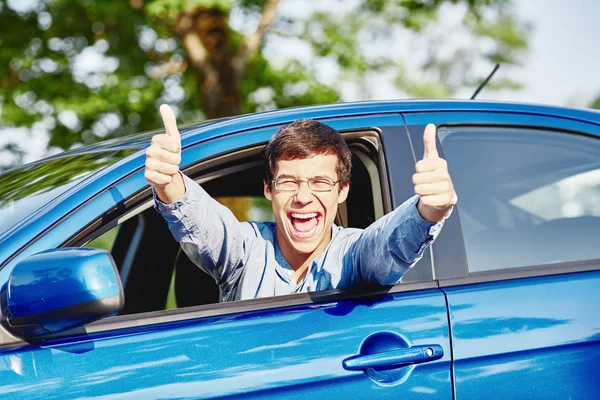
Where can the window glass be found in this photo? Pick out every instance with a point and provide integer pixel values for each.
(575, 196)
(526, 197)
(25, 189)
(104, 241)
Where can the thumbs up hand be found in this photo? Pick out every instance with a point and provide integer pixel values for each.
(432, 181)
(163, 158)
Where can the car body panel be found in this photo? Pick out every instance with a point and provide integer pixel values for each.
(287, 353)
(290, 354)
(533, 338)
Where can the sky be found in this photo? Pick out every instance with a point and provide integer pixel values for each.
(563, 63)
(561, 66)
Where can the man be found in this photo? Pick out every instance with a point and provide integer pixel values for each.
(307, 175)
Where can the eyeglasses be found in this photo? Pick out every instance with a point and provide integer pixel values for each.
(319, 184)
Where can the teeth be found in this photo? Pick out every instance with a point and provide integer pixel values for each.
(304, 216)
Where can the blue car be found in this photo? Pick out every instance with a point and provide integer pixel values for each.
(98, 301)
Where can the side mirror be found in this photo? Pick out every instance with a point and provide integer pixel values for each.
(59, 289)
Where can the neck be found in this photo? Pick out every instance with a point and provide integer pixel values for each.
(297, 260)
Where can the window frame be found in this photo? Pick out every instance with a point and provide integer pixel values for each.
(361, 142)
(138, 202)
(450, 260)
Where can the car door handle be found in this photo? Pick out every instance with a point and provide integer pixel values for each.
(394, 358)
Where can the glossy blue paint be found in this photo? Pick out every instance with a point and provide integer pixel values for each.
(534, 338)
(251, 121)
(62, 278)
(293, 352)
(60, 289)
(495, 118)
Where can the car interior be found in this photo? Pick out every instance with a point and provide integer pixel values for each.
(157, 274)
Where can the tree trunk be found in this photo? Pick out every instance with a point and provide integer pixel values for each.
(220, 84)
(207, 41)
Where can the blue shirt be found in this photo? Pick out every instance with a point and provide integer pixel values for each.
(244, 259)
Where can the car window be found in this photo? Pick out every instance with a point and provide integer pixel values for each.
(25, 189)
(526, 197)
(155, 272)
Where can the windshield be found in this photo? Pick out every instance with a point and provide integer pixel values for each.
(27, 189)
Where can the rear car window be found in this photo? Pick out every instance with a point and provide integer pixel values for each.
(526, 197)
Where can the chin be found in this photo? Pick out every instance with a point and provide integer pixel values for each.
(306, 248)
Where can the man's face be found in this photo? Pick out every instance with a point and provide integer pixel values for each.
(304, 217)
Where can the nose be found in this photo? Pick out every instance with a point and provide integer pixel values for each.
(304, 194)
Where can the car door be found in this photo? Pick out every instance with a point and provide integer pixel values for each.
(523, 289)
(377, 343)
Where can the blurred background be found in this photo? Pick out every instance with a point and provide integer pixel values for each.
(75, 72)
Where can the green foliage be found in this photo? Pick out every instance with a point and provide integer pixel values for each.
(105, 241)
(169, 9)
(596, 103)
(86, 70)
(39, 82)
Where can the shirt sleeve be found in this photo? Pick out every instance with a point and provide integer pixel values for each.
(208, 232)
(390, 246)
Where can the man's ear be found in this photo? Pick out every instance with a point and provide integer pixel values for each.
(267, 191)
(343, 195)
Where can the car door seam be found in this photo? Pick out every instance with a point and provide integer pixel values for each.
(451, 341)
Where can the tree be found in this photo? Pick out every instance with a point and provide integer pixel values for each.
(596, 103)
(87, 70)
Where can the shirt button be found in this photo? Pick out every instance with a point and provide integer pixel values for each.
(289, 273)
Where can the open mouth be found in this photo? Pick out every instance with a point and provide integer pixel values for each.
(304, 225)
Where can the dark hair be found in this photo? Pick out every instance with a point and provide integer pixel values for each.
(305, 138)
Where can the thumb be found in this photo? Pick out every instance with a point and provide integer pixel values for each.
(429, 142)
(170, 122)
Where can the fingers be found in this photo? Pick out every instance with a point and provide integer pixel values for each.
(156, 179)
(163, 157)
(432, 189)
(431, 164)
(154, 164)
(164, 154)
(429, 142)
(428, 177)
(170, 122)
(432, 180)
(435, 182)
(439, 200)
(166, 143)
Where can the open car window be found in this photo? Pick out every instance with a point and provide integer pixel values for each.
(158, 275)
